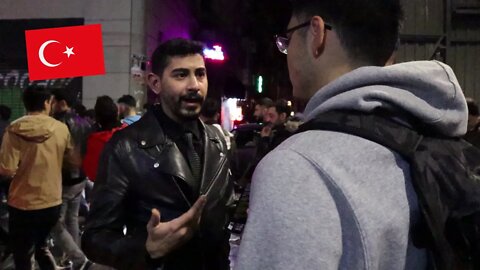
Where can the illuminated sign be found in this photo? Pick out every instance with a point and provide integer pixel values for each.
(260, 84)
(214, 54)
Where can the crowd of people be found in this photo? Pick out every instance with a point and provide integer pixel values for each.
(318, 190)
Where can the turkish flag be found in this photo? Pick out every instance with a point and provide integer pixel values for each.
(65, 52)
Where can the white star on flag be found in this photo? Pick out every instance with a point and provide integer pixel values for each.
(69, 51)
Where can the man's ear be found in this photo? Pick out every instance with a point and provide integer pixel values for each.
(317, 28)
(154, 82)
(283, 117)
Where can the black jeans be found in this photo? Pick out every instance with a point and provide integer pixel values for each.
(29, 231)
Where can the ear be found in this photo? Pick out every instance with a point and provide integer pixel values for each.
(317, 28)
(283, 117)
(154, 82)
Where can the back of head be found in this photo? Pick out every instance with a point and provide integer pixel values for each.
(173, 48)
(367, 29)
(34, 98)
(265, 102)
(5, 112)
(80, 109)
(66, 95)
(106, 113)
(127, 100)
(210, 108)
(281, 106)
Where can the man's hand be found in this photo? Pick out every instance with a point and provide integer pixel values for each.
(266, 131)
(163, 237)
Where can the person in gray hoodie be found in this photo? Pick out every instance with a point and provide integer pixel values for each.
(330, 200)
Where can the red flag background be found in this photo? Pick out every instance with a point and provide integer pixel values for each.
(53, 61)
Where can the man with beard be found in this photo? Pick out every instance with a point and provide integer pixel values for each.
(274, 132)
(261, 109)
(165, 178)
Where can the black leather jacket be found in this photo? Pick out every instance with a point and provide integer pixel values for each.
(141, 169)
(79, 129)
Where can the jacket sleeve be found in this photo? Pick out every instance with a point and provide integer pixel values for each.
(293, 221)
(103, 240)
(9, 155)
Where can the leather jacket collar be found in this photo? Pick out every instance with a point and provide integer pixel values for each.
(153, 139)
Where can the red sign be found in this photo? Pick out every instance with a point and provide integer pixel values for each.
(65, 52)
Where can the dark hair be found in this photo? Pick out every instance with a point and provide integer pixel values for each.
(174, 47)
(80, 110)
(65, 94)
(368, 29)
(472, 107)
(128, 100)
(106, 113)
(34, 98)
(210, 108)
(281, 106)
(90, 113)
(5, 112)
(266, 102)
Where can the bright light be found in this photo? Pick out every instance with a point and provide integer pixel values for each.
(231, 112)
(215, 54)
(289, 103)
(260, 84)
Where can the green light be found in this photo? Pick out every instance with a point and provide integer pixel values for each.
(260, 84)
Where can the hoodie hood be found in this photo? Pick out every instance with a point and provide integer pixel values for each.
(427, 90)
(35, 128)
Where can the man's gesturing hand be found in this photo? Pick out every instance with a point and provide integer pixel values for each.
(163, 237)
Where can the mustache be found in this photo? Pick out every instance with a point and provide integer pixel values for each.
(192, 96)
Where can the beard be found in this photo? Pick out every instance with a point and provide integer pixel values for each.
(186, 107)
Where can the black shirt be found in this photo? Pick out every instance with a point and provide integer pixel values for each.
(175, 131)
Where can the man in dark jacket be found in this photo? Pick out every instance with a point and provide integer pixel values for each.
(165, 178)
(66, 233)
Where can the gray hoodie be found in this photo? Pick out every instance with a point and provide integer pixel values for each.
(329, 200)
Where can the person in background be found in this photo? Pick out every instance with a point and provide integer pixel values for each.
(126, 109)
(210, 115)
(5, 114)
(274, 132)
(30, 144)
(261, 108)
(66, 233)
(106, 116)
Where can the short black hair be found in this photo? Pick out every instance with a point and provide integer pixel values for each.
(266, 102)
(128, 100)
(106, 113)
(80, 109)
(171, 48)
(281, 106)
(472, 107)
(65, 94)
(34, 98)
(368, 29)
(5, 112)
(210, 107)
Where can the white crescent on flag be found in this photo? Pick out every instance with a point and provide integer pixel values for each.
(42, 56)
